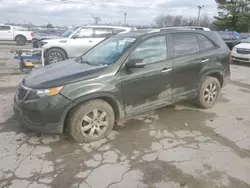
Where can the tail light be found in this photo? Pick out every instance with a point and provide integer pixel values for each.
(32, 34)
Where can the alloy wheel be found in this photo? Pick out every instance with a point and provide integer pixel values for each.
(94, 123)
(55, 57)
(210, 93)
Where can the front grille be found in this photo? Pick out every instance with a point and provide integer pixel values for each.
(243, 51)
(36, 44)
(21, 93)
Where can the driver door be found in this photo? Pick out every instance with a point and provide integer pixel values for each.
(81, 42)
(150, 86)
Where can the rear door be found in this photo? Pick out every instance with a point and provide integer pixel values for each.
(187, 59)
(6, 33)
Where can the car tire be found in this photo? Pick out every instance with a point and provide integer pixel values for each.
(91, 121)
(208, 92)
(21, 40)
(55, 53)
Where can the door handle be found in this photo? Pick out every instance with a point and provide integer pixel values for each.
(203, 60)
(164, 70)
(90, 41)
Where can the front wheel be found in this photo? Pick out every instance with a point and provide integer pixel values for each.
(91, 121)
(209, 92)
(54, 56)
(21, 40)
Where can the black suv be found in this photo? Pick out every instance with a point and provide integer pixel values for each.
(124, 75)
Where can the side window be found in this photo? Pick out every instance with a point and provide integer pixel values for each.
(183, 44)
(4, 28)
(102, 32)
(151, 50)
(84, 33)
(205, 42)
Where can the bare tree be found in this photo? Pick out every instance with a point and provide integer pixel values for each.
(173, 21)
(97, 19)
(204, 22)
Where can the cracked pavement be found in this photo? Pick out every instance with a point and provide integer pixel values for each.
(180, 146)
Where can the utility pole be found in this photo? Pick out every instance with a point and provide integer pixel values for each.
(125, 18)
(199, 14)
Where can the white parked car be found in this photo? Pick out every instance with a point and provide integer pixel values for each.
(13, 33)
(76, 42)
(241, 52)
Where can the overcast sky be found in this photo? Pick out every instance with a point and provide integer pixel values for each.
(79, 12)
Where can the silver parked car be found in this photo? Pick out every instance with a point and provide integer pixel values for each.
(77, 42)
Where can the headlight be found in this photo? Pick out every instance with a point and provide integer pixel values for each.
(234, 49)
(37, 93)
(49, 92)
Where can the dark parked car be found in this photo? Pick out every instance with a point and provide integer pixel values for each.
(231, 38)
(124, 75)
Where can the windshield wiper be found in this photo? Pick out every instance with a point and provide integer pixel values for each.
(84, 61)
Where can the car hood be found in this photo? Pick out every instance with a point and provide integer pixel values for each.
(243, 45)
(57, 40)
(46, 37)
(60, 74)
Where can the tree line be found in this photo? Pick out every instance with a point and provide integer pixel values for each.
(233, 15)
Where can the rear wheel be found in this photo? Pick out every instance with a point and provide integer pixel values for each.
(21, 40)
(209, 92)
(91, 121)
(54, 56)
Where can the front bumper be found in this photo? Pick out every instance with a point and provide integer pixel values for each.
(236, 57)
(42, 115)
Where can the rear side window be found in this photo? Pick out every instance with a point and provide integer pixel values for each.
(4, 28)
(183, 44)
(205, 42)
(102, 32)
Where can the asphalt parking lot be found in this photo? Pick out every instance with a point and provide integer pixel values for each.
(180, 146)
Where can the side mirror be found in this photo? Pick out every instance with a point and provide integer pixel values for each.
(135, 63)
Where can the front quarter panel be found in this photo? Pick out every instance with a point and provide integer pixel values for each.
(56, 44)
(104, 86)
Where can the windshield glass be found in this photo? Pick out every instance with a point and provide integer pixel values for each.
(244, 35)
(247, 40)
(68, 32)
(108, 52)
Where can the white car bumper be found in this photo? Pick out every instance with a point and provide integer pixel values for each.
(240, 56)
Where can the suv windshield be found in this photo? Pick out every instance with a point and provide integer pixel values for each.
(107, 52)
(68, 32)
